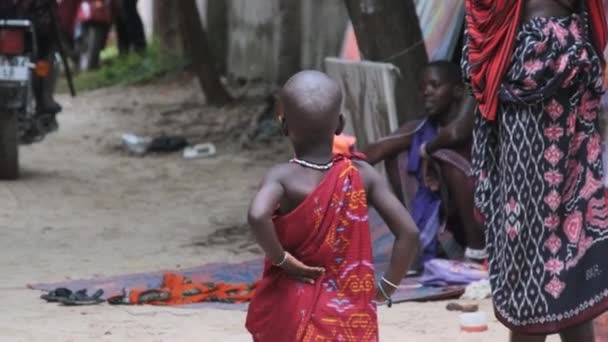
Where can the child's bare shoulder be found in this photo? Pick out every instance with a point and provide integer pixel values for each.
(279, 172)
(368, 173)
(362, 165)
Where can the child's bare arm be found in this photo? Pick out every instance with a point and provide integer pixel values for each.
(260, 214)
(399, 221)
(262, 207)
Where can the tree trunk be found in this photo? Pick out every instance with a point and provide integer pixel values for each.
(329, 17)
(217, 28)
(167, 28)
(200, 54)
(389, 31)
(289, 58)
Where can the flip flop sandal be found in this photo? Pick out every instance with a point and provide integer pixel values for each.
(462, 307)
(192, 292)
(144, 297)
(153, 296)
(81, 298)
(118, 300)
(57, 295)
(167, 144)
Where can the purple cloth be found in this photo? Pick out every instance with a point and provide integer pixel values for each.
(425, 132)
(440, 272)
(426, 204)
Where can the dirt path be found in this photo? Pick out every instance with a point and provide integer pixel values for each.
(85, 209)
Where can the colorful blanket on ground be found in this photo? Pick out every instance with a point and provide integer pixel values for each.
(247, 272)
(179, 290)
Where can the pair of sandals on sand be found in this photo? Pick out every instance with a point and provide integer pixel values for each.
(70, 298)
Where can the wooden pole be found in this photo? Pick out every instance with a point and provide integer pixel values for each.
(389, 31)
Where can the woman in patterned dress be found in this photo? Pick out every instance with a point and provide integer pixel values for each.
(535, 71)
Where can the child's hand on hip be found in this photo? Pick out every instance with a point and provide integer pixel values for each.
(300, 271)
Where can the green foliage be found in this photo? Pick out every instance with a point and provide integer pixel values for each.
(125, 70)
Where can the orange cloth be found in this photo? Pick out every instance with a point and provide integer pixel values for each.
(343, 144)
(350, 47)
(182, 291)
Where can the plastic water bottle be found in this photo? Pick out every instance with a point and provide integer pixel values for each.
(135, 144)
(205, 150)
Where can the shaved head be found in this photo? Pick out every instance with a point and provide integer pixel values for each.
(310, 103)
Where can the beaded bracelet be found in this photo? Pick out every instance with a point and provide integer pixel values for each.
(282, 261)
(391, 284)
(389, 300)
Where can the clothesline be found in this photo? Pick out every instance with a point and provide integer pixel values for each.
(404, 51)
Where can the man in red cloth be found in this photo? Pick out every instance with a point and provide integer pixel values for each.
(310, 217)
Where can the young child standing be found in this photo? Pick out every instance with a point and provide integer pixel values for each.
(310, 218)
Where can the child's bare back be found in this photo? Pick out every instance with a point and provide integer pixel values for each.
(299, 182)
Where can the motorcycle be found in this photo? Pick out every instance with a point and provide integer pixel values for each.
(85, 25)
(19, 122)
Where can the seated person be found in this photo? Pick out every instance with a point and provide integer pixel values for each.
(450, 169)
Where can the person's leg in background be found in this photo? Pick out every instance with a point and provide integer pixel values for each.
(580, 333)
(122, 27)
(517, 337)
(44, 86)
(135, 26)
(460, 187)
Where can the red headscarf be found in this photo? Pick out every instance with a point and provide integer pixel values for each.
(492, 27)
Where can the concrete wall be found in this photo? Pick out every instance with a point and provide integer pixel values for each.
(323, 25)
(263, 37)
(146, 8)
(254, 34)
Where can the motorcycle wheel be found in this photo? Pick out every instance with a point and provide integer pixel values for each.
(91, 43)
(9, 146)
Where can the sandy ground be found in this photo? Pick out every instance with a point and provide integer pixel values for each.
(84, 208)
